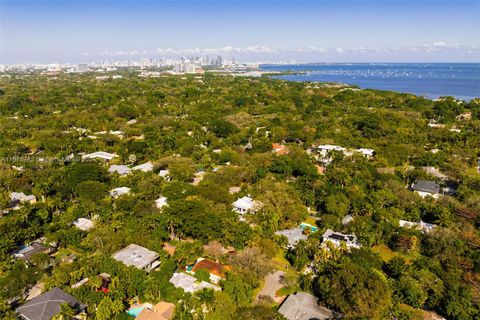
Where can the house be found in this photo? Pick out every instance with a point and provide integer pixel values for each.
(450, 188)
(117, 192)
(161, 202)
(99, 155)
(294, 236)
(325, 149)
(304, 306)
(165, 174)
(190, 284)
(467, 116)
(198, 177)
(120, 169)
(233, 190)
(337, 238)
(47, 305)
(83, 224)
(279, 149)
(434, 124)
(145, 167)
(246, 205)
(215, 269)
(26, 253)
(422, 226)
(347, 219)
(367, 153)
(426, 188)
(20, 197)
(161, 311)
(138, 257)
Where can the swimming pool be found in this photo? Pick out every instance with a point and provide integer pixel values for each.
(304, 225)
(135, 311)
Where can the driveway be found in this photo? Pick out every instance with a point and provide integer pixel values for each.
(272, 284)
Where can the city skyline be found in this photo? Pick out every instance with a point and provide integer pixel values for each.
(252, 31)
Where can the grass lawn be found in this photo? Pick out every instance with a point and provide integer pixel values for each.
(415, 314)
(311, 220)
(282, 264)
(386, 253)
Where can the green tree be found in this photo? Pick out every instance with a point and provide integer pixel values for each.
(202, 274)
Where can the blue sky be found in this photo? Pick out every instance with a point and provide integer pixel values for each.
(308, 31)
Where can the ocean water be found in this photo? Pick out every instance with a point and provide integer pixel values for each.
(460, 80)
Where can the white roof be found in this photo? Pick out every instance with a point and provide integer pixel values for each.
(190, 284)
(245, 203)
(347, 219)
(366, 152)
(100, 155)
(20, 196)
(330, 147)
(161, 202)
(145, 167)
(119, 191)
(164, 173)
(135, 255)
(337, 237)
(120, 169)
(424, 226)
(83, 224)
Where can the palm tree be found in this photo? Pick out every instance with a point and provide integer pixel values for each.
(66, 312)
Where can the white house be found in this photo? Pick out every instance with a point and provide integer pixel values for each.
(327, 148)
(20, 197)
(83, 224)
(161, 202)
(120, 169)
(246, 205)
(422, 226)
(367, 153)
(337, 238)
(426, 188)
(190, 284)
(100, 155)
(347, 219)
(165, 174)
(117, 192)
(138, 257)
(145, 167)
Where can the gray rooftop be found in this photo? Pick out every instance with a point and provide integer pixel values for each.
(426, 186)
(120, 169)
(293, 235)
(136, 256)
(304, 306)
(47, 305)
(27, 252)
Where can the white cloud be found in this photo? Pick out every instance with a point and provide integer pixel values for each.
(439, 44)
(438, 48)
